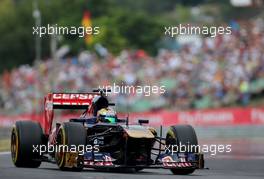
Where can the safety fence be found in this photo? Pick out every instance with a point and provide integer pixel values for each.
(208, 117)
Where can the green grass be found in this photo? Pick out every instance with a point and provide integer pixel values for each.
(4, 145)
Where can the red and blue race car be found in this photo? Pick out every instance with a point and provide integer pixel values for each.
(99, 139)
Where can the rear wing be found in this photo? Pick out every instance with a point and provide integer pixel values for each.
(72, 100)
(64, 101)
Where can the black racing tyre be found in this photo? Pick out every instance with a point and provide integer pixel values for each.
(184, 135)
(25, 135)
(138, 169)
(70, 133)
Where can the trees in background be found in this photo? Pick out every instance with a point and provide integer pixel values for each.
(123, 24)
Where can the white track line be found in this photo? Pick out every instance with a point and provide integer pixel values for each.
(237, 157)
(4, 153)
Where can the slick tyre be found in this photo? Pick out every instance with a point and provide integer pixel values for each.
(69, 134)
(184, 135)
(25, 135)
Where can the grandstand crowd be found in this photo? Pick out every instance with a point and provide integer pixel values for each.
(223, 71)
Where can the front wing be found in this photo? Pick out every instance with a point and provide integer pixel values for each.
(167, 161)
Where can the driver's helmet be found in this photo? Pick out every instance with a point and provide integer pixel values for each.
(107, 115)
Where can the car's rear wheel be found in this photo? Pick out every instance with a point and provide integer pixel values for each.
(25, 137)
(184, 135)
(70, 134)
(138, 169)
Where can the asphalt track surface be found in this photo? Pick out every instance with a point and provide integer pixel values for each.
(246, 161)
(219, 168)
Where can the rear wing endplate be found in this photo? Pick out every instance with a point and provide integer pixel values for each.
(64, 101)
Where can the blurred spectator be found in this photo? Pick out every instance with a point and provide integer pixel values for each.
(225, 70)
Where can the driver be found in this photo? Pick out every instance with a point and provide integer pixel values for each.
(107, 115)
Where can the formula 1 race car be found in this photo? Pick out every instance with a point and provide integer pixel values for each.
(99, 139)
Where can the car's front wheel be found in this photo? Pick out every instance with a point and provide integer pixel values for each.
(70, 134)
(184, 135)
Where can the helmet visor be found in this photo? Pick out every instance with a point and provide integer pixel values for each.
(110, 119)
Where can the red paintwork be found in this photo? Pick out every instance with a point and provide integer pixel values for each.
(63, 99)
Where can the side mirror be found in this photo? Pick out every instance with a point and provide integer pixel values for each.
(121, 120)
(102, 91)
(143, 121)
